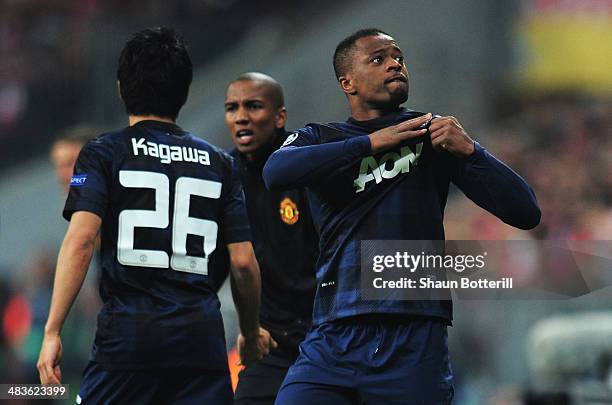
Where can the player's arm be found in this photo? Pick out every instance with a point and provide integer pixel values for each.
(305, 162)
(72, 264)
(254, 342)
(497, 188)
(483, 178)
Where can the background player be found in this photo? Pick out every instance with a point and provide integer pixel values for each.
(163, 200)
(382, 351)
(65, 150)
(284, 237)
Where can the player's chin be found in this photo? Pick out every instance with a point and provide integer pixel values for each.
(398, 96)
(245, 148)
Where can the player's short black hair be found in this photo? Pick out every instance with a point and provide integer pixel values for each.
(344, 50)
(273, 89)
(154, 73)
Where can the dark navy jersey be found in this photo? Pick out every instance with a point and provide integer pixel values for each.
(398, 194)
(169, 203)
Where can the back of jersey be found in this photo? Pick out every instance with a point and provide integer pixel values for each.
(169, 203)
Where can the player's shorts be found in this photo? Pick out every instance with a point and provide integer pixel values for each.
(159, 386)
(374, 359)
(259, 383)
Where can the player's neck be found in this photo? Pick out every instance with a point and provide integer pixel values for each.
(367, 112)
(135, 119)
(261, 155)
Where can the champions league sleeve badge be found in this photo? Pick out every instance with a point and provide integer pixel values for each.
(78, 180)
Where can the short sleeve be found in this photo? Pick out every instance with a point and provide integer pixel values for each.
(234, 222)
(90, 180)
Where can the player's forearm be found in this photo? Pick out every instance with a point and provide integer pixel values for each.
(72, 265)
(292, 167)
(246, 291)
(497, 188)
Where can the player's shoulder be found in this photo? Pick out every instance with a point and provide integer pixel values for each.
(114, 135)
(104, 144)
(326, 132)
(216, 153)
(308, 134)
(110, 138)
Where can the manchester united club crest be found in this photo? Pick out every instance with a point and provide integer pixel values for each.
(288, 211)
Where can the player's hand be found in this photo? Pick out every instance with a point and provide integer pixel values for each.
(387, 138)
(447, 134)
(253, 348)
(49, 359)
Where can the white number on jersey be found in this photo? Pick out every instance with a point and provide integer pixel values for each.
(183, 224)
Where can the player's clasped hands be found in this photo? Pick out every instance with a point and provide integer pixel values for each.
(389, 137)
(255, 348)
(447, 134)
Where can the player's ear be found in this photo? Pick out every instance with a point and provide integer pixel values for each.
(346, 84)
(281, 118)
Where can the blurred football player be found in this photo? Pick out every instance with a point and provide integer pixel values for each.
(65, 150)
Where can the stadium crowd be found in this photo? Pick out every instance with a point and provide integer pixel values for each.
(50, 51)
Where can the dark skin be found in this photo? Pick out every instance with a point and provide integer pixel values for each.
(252, 118)
(254, 123)
(377, 83)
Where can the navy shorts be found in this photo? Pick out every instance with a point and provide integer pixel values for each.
(159, 386)
(374, 359)
(258, 383)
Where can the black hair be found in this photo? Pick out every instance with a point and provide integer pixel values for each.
(154, 73)
(272, 87)
(346, 47)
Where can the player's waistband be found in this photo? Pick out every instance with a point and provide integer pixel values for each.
(387, 319)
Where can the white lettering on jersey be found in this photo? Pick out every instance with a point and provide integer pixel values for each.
(167, 154)
(370, 169)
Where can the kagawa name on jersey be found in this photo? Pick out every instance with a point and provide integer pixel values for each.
(167, 154)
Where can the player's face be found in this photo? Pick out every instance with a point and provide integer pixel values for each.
(251, 117)
(378, 74)
(63, 157)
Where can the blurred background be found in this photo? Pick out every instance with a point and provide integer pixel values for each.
(531, 80)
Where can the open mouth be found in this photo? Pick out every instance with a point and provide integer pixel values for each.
(244, 136)
(398, 78)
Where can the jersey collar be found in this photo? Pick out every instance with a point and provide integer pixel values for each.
(161, 126)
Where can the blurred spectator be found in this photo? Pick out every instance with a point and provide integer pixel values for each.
(562, 144)
(65, 150)
(53, 53)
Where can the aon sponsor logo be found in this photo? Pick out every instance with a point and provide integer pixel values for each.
(390, 165)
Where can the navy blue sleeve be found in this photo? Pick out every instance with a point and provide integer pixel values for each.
(497, 188)
(234, 222)
(303, 160)
(90, 179)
